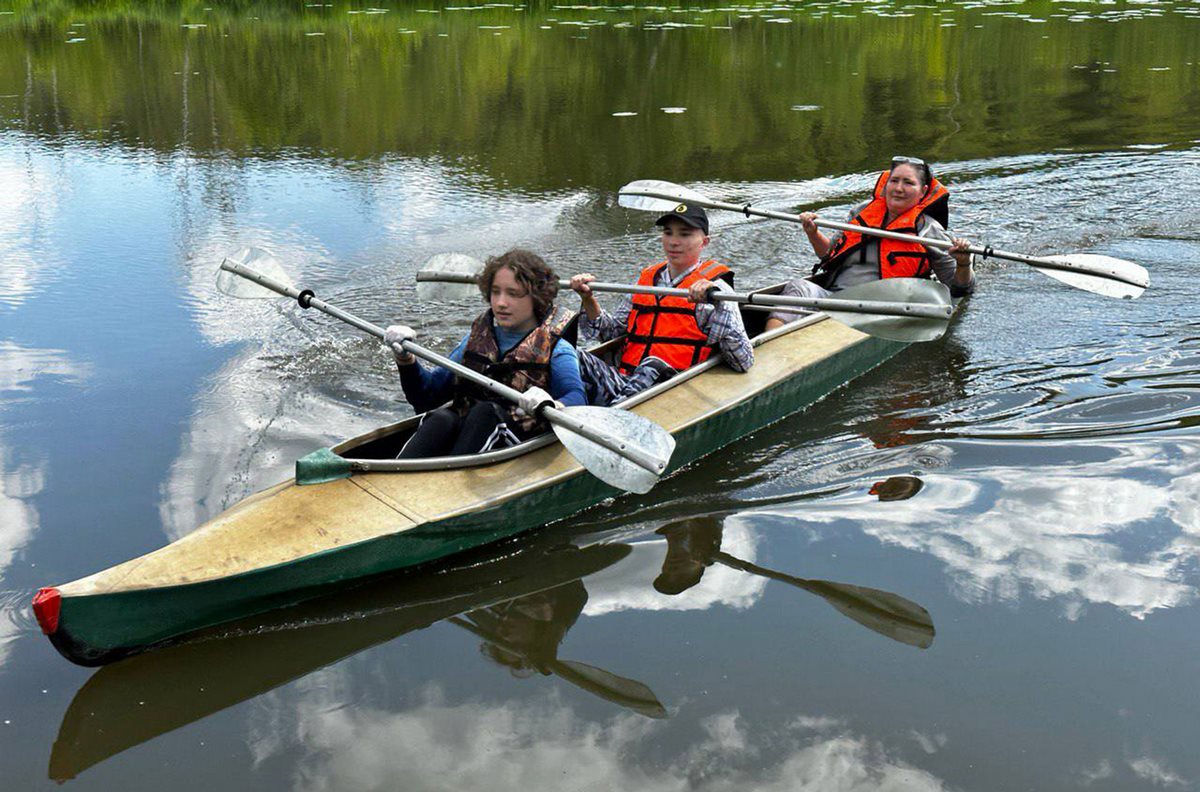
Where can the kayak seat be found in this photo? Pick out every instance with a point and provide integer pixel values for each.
(756, 321)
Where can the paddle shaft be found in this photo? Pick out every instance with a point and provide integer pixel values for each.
(1035, 261)
(768, 301)
(745, 566)
(555, 416)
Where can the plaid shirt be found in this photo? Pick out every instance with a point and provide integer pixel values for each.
(721, 321)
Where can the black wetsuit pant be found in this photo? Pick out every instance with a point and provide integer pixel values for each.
(443, 432)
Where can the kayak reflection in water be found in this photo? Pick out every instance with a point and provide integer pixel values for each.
(907, 199)
(664, 335)
(522, 340)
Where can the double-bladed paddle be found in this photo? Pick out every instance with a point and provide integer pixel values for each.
(628, 693)
(620, 448)
(899, 309)
(1105, 275)
(886, 613)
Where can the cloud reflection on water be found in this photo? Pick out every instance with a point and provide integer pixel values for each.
(28, 199)
(22, 473)
(1050, 531)
(544, 744)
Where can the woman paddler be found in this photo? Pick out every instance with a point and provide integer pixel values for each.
(521, 340)
(908, 199)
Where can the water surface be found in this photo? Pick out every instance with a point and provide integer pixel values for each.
(1030, 481)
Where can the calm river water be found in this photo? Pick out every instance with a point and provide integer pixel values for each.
(1032, 480)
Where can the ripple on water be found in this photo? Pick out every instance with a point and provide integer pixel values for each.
(16, 616)
(1121, 414)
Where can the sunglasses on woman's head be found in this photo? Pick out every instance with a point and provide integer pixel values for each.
(916, 162)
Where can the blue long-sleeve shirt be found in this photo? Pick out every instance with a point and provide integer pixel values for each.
(429, 388)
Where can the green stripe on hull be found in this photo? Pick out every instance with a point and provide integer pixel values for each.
(98, 628)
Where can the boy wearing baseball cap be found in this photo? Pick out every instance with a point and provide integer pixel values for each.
(664, 335)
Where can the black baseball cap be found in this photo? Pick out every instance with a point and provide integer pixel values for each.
(692, 215)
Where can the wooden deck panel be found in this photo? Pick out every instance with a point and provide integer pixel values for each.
(275, 526)
(700, 398)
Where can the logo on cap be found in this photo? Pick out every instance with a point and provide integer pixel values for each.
(681, 208)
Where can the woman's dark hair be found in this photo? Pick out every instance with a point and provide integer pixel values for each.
(531, 271)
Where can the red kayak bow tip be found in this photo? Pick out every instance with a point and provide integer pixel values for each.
(47, 604)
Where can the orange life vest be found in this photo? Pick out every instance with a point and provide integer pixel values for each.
(665, 327)
(896, 259)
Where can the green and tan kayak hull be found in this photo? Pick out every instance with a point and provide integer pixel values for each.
(289, 543)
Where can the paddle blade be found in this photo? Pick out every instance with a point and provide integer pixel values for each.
(1105, 275)
(883, 612)
(448, 276)
(908, 291)
(628, 693)
(634, 437)
(255, 258)
(653, 195)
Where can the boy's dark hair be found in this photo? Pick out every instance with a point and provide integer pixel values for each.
(531, 271)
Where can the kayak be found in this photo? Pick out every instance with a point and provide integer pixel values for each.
(355, 512)
(364, 514)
